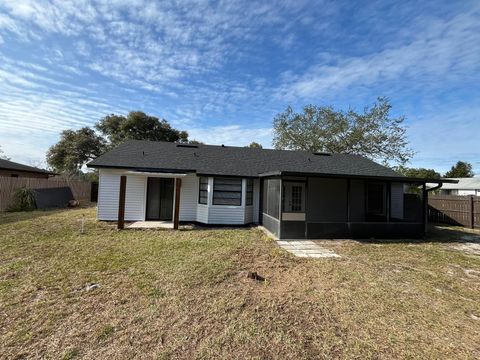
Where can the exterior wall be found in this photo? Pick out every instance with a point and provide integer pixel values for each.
(189, 198)
(22, 174)
(190, 209)
(202, 213)
(108, 193)
(135, 195)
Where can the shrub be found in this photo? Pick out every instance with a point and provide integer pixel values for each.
(23, 200)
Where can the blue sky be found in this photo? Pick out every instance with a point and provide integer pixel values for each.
(223, 69)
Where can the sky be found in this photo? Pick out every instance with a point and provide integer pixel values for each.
(222, 70)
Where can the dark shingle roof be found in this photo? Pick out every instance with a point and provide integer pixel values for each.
(238, 161)
(10, 165)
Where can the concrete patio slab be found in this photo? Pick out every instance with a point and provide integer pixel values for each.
(150, 225)
(306, 248)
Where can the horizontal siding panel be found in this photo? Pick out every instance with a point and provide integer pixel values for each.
(226, 215)
(108, 191)
(188, 198)
(202, 213)
(135, 198)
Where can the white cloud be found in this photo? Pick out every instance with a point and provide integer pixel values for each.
(234, 135)
(443, 51)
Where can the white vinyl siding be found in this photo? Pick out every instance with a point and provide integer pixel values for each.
(135, 197)
(190, 209)
(188, 198)
(108, 191)
(202, 214)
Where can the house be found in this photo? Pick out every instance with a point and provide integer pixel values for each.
(465, 186)
(293, 194)
(13, 169)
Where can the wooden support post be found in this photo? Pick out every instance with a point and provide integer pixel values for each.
(472, 213)
(176, 214)
(389, 201)
(121, 203)
(425, 207)
(348, 207)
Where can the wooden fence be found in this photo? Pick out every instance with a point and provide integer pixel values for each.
(454, 210)
(81, 190)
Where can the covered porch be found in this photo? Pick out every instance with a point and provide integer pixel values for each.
(320, 207)
(159, 197)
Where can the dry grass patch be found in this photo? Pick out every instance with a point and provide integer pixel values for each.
(185, 294)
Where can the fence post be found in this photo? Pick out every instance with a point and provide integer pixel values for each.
(472, 213)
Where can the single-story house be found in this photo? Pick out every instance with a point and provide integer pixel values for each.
(465, 186)
(13, 169)
(293, 194)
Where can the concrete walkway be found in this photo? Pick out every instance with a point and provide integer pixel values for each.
(306, 248)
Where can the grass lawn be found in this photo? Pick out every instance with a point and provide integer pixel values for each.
(185, 294)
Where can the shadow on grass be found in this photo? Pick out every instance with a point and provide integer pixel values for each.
(12, 217)
(435, 234)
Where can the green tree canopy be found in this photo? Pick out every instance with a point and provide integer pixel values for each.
(255, 145)
(461, 169)
(422, 173)
(74, 149)
(372, 133)
(138, 126)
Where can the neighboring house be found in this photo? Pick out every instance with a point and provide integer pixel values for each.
(13, 169)
(465, 186)
(294, 194)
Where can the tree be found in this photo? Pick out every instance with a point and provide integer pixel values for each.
(138, 126)
(422, 173)
(255, 145)
(74, 150)
(373, 133)
(461, 169)
(2, 155)
(195, 142)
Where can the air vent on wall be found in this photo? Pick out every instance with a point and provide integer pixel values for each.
(322, 153)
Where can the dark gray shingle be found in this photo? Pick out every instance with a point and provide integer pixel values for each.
(238, 161)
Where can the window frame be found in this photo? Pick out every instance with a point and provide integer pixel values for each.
(216, 191)
(287, 195)
(200, 190)
(249, 192)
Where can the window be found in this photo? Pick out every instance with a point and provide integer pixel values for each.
(203, 190)
(227, 191)
(14, 175)
(249, 191)
(294, 197)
